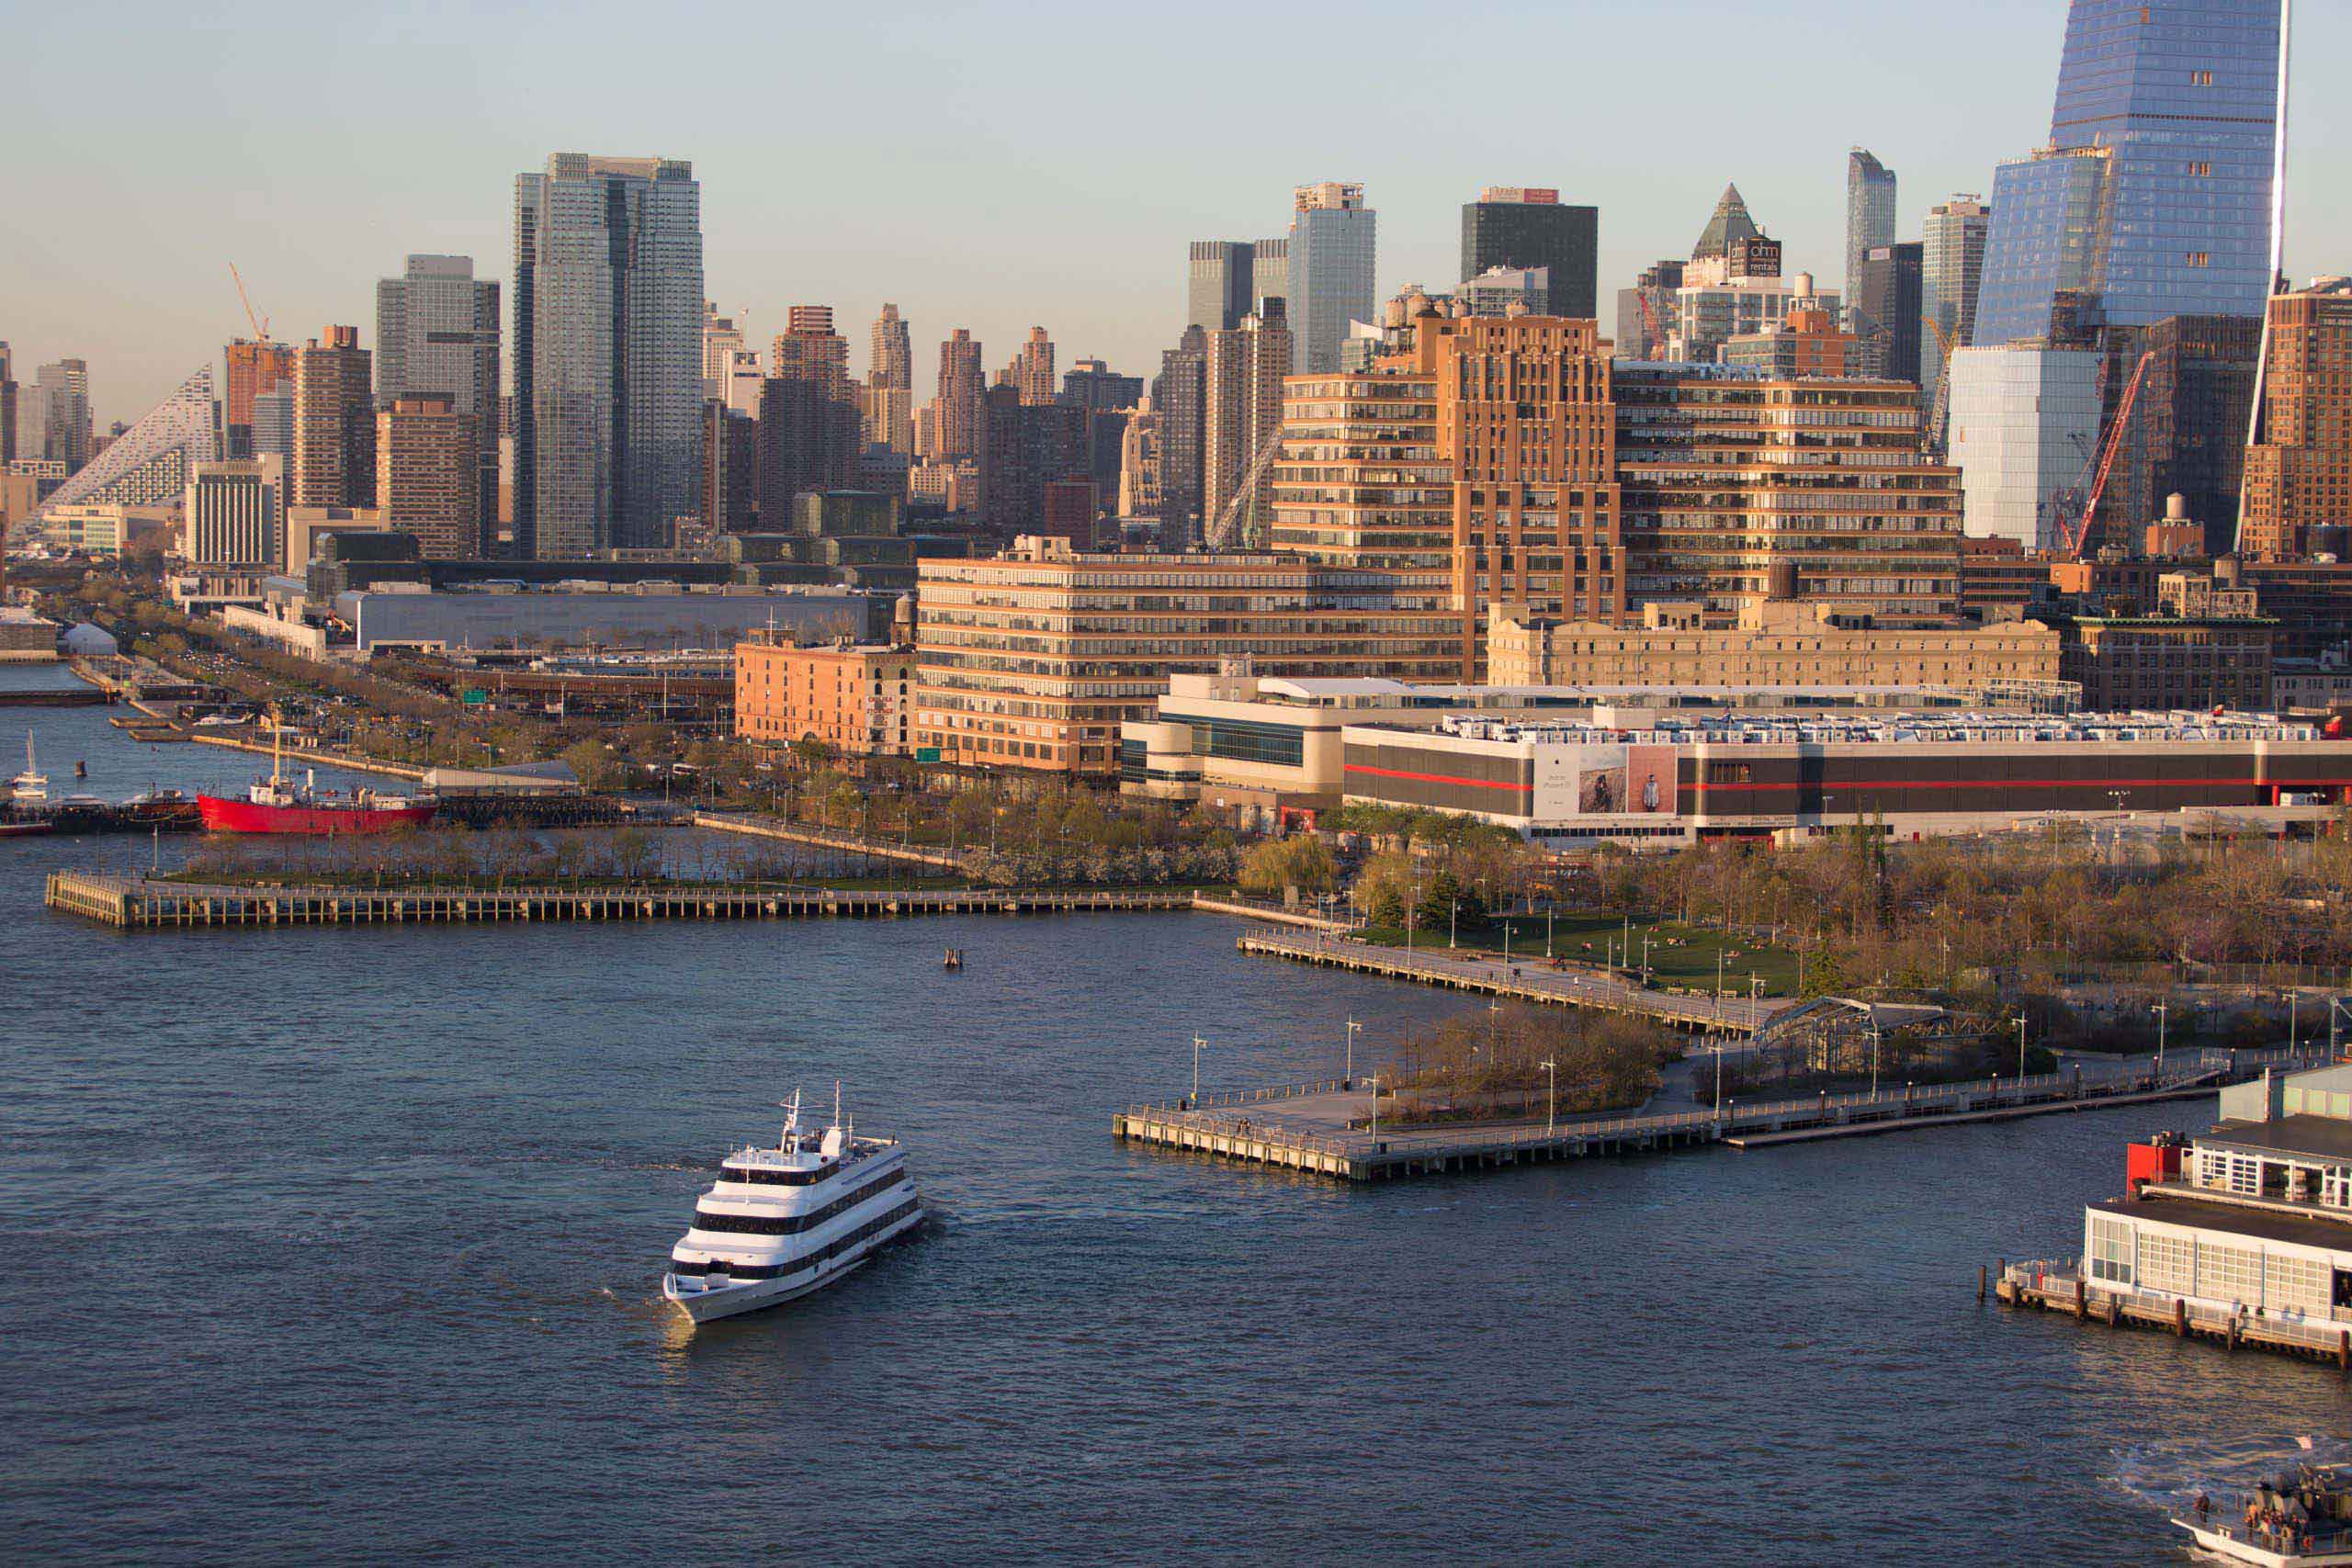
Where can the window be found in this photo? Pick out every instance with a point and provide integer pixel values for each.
(2166, 1263)
(2111, 1249)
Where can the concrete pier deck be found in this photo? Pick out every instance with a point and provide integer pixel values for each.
(139, 903)
(1521, 979)
(1324, 1130)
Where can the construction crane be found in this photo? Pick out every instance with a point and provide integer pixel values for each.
(2073, 539)
(1650, 321)
(1932, 433)
(1220, 530)
(260, 323)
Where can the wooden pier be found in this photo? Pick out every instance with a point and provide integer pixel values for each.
(1521, 979)
(2059, 1287)
(1327, 1130)
(139, 903)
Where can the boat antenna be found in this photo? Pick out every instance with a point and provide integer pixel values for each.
(792, 1118)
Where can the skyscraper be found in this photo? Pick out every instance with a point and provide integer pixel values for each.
(722, 339)
(891, 361)
(437, 336)
(608, 297)
(2300, 474)
(1332, 243)
(1091, 384)
(1869, 222)
(1034, 370)
(233, 512)
(335, 422)
(1182, 400)
(7, 407)
(955, 428)
(809, 420)
(2152, 197)
(149, 462)
(251, 369)
(428, 474)
(1218, 284)
(67, 434)
(1888, 315)
(1244, 411)
(1952, 265)
(1517, 226)
(1025, 448)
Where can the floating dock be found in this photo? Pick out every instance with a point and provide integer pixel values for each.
(2058, 1286)
(1324, 1130)
(1526, 979)
(139, 903)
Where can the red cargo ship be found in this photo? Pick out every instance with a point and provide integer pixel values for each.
(276, 804)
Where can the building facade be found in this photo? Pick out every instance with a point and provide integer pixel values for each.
(149, 463)
(1361, 482)
(1183, 403)
(249, 369)
(1333, 242)
(438, 335)
(335, 422)
(2153, 193)
(1032, 659)
(608, 299)
(428, 475)
(234, 513)
(856, 698)
(1952, 268)
(1890, 311)
(2298, 475)
(1519, 227)
(2022, 420)
(1244, 376)
(1869, 223)
(963, 386)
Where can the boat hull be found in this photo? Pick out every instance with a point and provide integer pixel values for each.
(222, 815)
(754, 1295)
(2236, 1545)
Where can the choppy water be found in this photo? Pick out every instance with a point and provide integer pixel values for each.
(345, 1245)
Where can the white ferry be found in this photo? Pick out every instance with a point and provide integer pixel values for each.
(782, 1222)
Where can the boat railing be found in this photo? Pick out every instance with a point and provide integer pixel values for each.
(2227, 1520)
(2061, 1275)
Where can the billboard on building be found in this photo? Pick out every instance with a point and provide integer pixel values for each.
(1649, 779)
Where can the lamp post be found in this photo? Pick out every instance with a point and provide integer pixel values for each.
(1755, 1003)
(1354, 1030)
(1647, 938)
(2020, 1052)
(1548, 912)
(1197, 1043)
(2161, 1010)
(1551, 1096)
(1454, 918)
(1372, 1083)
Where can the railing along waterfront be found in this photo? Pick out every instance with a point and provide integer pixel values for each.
(2060, 1282)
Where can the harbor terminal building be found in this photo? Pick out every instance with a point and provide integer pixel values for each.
(1654, 766)
(2253, 1218)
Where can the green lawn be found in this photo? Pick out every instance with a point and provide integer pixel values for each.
(1680, 956)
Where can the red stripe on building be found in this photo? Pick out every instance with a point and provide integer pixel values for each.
(1437, 778)
(1835, 784)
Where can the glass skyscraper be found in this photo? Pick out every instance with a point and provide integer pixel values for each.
(608, 299)
(2153, 198)
(1332, 238)
(1869, 222)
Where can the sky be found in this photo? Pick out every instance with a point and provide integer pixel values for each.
(993, 166)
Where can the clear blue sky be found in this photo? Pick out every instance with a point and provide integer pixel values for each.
(984, 166)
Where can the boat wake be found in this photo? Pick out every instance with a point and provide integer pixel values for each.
(2167, 1474)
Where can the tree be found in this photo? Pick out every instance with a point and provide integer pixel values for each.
(1277, 863)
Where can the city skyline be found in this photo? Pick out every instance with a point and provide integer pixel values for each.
(860, 227)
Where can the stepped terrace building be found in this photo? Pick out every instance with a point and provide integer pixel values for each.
(1032, 659)
(1746, 776)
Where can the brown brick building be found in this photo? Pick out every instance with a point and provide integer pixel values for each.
(428, 475)
(2298, 476)
(855, 697)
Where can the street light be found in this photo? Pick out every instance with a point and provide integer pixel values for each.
(2020, 1052)
(2161, 1010)
(1197, 1043)
(1551, 1096)
(1354, 1030)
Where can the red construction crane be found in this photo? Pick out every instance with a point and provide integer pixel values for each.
(2075, 538)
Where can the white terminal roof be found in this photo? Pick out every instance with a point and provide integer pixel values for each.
(1966, 728)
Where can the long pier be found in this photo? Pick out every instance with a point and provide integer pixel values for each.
(822, 839)
(2059, 1286)
(141, 903)
(1524, 979)
(1329, 1130)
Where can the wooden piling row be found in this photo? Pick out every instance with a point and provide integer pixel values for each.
(2068, 1293)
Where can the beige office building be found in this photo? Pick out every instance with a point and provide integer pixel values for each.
(1776, 643)
(1032, 659)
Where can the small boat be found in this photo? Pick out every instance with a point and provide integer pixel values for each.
(782, 1222)
(2303, 1521)
(954, 958)
(81, 770)
(32, 783)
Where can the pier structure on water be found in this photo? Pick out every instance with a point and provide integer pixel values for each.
(144, 903)
(1328, 1129)
(1520, 979)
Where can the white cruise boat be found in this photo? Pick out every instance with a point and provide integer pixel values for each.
(784, 1222)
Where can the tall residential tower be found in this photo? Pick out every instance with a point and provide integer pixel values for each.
(1332, 241)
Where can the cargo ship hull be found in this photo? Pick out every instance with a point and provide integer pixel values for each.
(224, 815)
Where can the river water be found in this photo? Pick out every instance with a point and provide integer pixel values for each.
(345, 1243)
